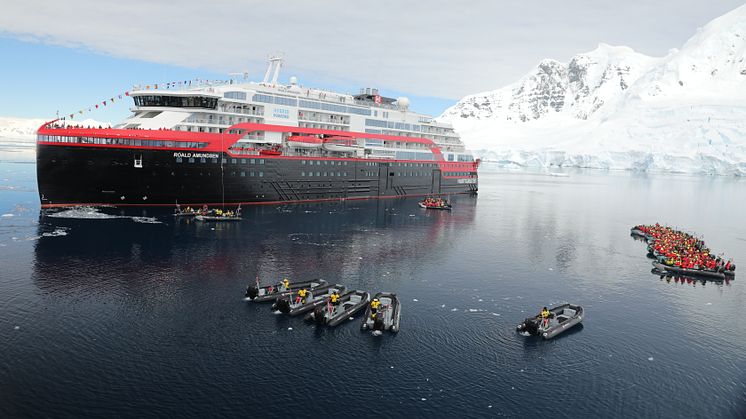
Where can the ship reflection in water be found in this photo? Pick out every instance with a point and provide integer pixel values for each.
(349, 241)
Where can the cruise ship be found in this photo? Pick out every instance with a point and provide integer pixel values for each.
(250, 143)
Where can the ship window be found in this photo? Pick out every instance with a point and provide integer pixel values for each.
(202, 160)
(331, 174)
(310, 173)
(303, 174)
(252, 161)
(318, 174)
(191, 160)
(326, 174)
(339, 174)
(261, 174)
(215, 160)
(243, 161)
(302, 162)
(233, 161)
(178, 160)
(261, 161)
(243, 174)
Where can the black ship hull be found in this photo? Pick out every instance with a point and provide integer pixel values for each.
(75, 175)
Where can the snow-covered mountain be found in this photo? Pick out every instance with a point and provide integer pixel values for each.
(615, 108)
(24, 129)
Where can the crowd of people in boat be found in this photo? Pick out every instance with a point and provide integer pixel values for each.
(682, 250)
(438, 202)
(205, 211)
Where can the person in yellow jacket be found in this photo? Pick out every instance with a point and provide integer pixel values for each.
(286, 284)
(302, 293)
(374, 305)
(333, 301)
(545, 317)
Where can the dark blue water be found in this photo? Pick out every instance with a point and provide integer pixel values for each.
(136, 314)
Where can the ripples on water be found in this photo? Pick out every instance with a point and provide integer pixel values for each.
(138, 313)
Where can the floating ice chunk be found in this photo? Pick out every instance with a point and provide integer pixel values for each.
(146, 220)
(473, 310)
(7, 215)
(351, 318)
(650, 359)
(17, 327)
(442, 306)
(414, 299)
(489, 407)
(56, 233)
(290, 328)
(423, 399)
(360, 257)
(709, 304)
(392, 367)
(454, 309)
(480, 300)
(496, 314)
(411, 215)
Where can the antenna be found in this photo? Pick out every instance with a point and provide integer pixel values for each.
(275, 62)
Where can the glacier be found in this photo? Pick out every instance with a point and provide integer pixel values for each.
(616, 109)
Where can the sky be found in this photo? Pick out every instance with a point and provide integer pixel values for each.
(69, 55)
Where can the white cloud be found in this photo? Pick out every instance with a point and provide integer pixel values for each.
(430, 48)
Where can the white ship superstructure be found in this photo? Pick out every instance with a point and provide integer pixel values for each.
(213, 109)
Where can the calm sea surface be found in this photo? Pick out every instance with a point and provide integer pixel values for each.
(137, 314)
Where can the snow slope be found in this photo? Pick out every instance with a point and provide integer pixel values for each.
(24, 129)
(613, 108)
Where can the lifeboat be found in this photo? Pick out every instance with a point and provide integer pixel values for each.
(561, 319)
(294, 305)
(388, 316)
(304, 141)
(349, 304)
(341, 144)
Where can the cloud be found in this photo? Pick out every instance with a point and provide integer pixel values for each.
(431, 48)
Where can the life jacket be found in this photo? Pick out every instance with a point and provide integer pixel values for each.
(375, 304)
(334, 297)
(303, 293)
(545, 314)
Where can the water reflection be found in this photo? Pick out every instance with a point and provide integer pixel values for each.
(334, 241)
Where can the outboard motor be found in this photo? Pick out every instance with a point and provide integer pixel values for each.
(319, 314)
(252, 291)
(282, 304)
(732, 267)
(378, 323)
(531, 326)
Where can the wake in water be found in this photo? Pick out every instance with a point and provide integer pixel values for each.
(90, 213)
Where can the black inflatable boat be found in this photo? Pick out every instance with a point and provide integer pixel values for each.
(349, 304)
(704, 273)
(275, 291)
(294, 305)
(388, 314)
(561, 319)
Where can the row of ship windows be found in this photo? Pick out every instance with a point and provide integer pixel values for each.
(303, 103)
(121, 141)
(215, 160)
(251, 174)
(331, 162)
(327, 174)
